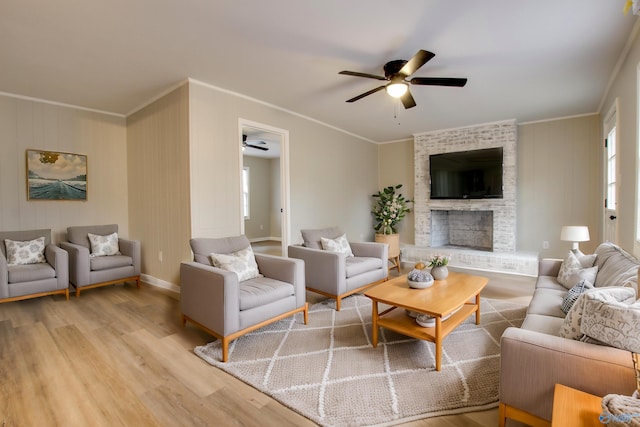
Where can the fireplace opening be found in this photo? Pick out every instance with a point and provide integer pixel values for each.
(462, 229)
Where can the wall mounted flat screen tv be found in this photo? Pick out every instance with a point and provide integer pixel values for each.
(474, 174)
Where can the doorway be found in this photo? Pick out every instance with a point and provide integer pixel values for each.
(265, 186)
(611, 176)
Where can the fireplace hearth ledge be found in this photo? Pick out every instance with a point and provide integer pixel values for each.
(521, 263)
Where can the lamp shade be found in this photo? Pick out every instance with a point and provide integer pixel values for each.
(397, 89)
(575, 233)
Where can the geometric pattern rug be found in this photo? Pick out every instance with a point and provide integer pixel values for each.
(328, 371)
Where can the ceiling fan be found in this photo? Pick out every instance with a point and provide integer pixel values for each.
(396, 73)
(245, 144)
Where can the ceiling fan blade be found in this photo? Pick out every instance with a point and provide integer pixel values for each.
(418, 60)
(438, 81)
(407, 100)
(258, 147)
(368, 76)
(362, 95)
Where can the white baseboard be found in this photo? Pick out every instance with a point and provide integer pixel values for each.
(159, 283)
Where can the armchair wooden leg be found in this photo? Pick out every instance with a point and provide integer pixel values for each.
(225, 350)
(502, 415)
(138, 283)
(66, 293)
(184, 320)
(338, 301)
(306, 313)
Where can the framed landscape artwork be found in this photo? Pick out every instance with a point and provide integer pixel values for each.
(52, 175)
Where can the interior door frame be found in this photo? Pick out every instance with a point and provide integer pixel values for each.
(284, 176)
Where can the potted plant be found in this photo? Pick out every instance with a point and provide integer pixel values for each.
(390, 208)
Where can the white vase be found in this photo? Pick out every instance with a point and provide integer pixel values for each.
(440, 273)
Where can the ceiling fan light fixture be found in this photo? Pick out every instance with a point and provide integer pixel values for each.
(396, 90)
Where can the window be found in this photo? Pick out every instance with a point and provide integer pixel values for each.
(245, 192)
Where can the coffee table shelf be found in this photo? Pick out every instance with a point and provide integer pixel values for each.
(396, 319)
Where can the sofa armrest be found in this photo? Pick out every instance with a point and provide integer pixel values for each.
(210, 296)
(131, 248)
(4, 277)
(371, 249)
(549, 267)
(289, 270)
(531, 363)
(79, 266)
(323, 270)
(58, 258)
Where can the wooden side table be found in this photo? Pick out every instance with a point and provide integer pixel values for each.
(573, 407)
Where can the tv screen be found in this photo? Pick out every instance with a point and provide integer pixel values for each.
(475, 174)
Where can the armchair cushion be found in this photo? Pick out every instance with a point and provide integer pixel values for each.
(108, 262)
(30, 273)
(312, 237)
(104, 245)
(25, 252)
(359, 265)
(262, 291)
(339, 244)
(241, 262)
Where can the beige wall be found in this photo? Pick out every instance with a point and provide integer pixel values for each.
(559, 183)
(625, 88)
(332, 174)
(27, 124)
(158, 150)
(396, 166)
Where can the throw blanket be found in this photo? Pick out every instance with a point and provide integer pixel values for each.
(620, 410)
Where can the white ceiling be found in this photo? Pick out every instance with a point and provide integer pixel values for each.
(527, 61)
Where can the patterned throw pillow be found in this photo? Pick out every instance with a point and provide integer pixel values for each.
(574, 293)
(29, 252)
(339, 244)
(613, 323)
(571, 326)
(104, 245)
(573, 264)
(242, 262)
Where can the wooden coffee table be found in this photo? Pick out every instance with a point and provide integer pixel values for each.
(458, 291)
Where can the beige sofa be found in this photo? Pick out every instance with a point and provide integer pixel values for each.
(534, 357)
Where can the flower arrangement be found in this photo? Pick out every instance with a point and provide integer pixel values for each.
(389, 209)
(439, 261)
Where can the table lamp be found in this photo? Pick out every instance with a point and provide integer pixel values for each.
(575, 234)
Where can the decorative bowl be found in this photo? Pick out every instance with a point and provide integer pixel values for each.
(419, 285)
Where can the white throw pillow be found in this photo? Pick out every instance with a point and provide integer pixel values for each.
(339, 244)
(242, 262)
(104, 245)
(29, 252)
(588, 274)
(572, 264)
(571, 327)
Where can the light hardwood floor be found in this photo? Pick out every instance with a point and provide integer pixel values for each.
(119, 356)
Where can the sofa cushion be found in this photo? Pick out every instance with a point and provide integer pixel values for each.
(339, 244)
(108, 262)
(104, 245)
(544, 324)
(312, 238)
(262, 290)
(571, 325)
(30, 272)
(26, 252)
(547, 302)
(574, 293)
(242, 262)
(549, 282)
(616, 267)
(359, 265)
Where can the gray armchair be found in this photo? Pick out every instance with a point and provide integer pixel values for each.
(336, 275)
(86, 272)
(214, 300)
(18, 282)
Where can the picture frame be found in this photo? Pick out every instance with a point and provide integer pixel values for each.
(55, 175)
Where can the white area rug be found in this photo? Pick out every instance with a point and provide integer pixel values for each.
(329, 372)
